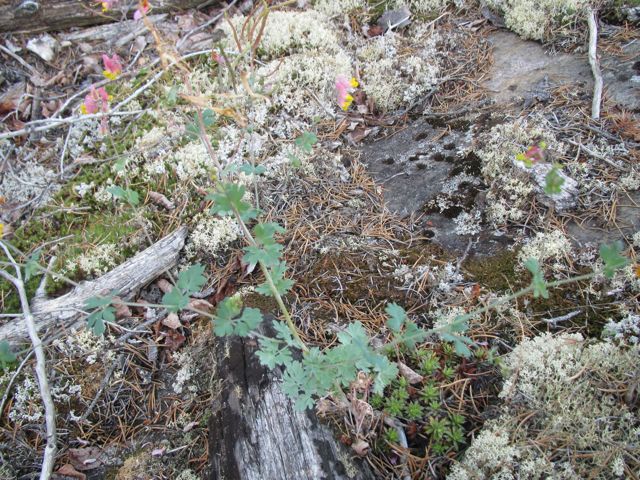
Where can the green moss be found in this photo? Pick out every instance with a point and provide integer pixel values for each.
(261, 302)
(496, 273)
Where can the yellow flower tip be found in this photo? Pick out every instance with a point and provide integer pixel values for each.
(83, 109)
(347, 102)
(110, 75)
(105, 7)
(110, 98)
(1, 229)
(353, 82)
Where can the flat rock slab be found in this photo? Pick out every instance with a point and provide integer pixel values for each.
(418, 165)
(522, 70)
(523, 73)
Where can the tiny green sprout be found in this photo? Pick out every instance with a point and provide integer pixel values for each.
(7, 357)
(537, 282)
(437, 428)
(401, 393)
(414, 411)
(448, 349)
(421, 353)
(493, 358)
(294, 161)
(402, 382)
(553, 180)
(439, 448)
(172, 96)
(612, 258)
(456, 419)
(377, 401)
(391, 435)
(448, 372)
(481, 353)
(127, 195)
(430, 393)
(429, 364)
(456, 436)
(306, 141)
(394, 406)
(434, 405)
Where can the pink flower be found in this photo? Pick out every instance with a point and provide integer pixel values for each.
(218, 58)
(112, 66)
(97, 100)
(344, 87)
(143, 8)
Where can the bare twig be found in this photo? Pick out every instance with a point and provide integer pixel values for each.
(595, 64)
(49, 123)
(553, 322)
(20, 61)
(209, 22)
(41, 366)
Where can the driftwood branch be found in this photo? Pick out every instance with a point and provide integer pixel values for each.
(126, 280)
(256, 433)
(595, 64)
(62, 14)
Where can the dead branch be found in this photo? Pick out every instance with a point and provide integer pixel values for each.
(126, 279)
(29, 325)
(595, 64)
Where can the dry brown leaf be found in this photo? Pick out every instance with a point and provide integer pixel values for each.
(200, 304)
(411, 376)
(361, 448)
(85, 458)
(68, 471)
(164, 285)
(122, 310)
(174, 340)
(10, 100)
(172, 321)
(161, 200)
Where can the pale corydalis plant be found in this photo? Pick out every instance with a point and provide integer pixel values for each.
(97, 100)
(112, 66)
(143, 8)
(344, 88)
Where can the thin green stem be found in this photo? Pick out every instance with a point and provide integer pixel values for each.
(272, 287)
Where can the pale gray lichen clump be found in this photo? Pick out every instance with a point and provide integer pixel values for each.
(397, 70)
(289, 32)
(511, 183)
(540, 19)
(581, 424)
(551, 250)
(30, 183)
(211, 235)
(339, 7)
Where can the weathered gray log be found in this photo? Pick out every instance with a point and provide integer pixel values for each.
(255, 433)
(43, 15)
(125, 279)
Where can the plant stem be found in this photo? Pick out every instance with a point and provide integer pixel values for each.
(272, 287)
(247, 234)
